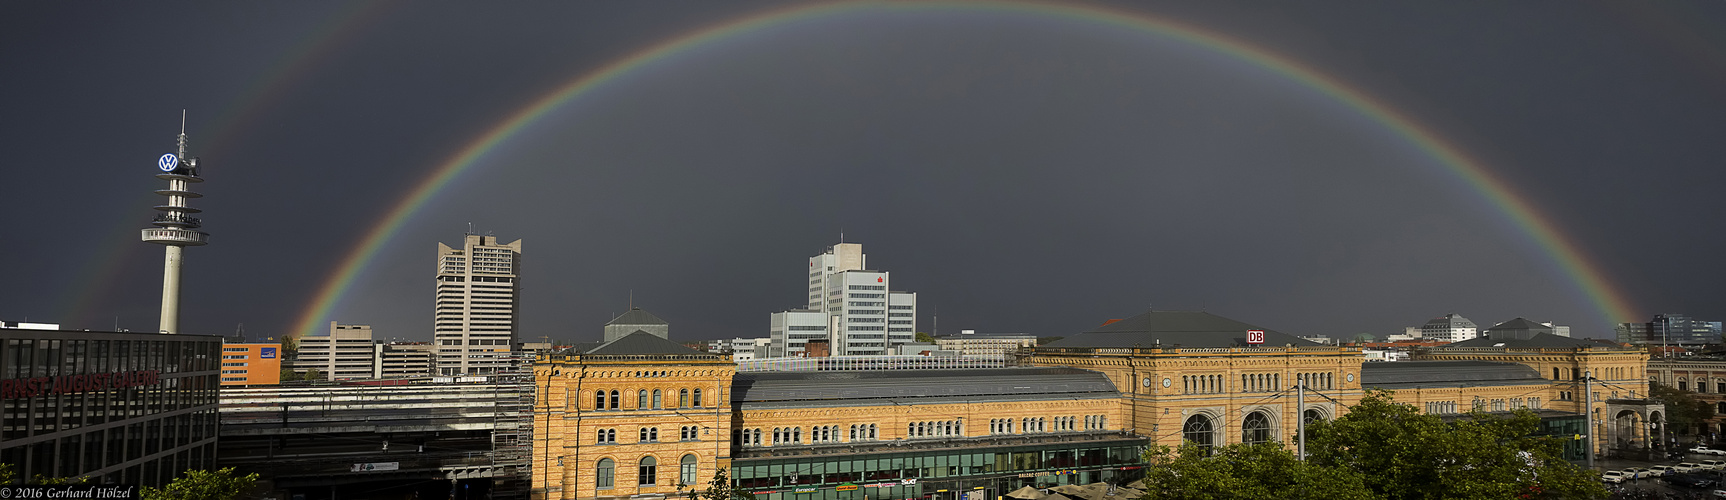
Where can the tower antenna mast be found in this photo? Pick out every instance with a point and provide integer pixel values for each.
(175, 228)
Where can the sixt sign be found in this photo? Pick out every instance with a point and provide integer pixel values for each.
(30, 387)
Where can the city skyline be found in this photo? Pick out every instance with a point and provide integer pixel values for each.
(1319, 169)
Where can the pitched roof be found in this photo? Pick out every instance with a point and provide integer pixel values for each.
(1537, 340)
(641, 342)
(1171, 328)
(636, 316)
(1410, 374)
(1450, 321)
(889, 387)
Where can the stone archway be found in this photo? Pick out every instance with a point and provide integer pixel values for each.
(1627, 430)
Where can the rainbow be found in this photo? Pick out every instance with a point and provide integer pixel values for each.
(1586, 276)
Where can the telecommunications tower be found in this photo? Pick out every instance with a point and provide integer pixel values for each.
(175, 228)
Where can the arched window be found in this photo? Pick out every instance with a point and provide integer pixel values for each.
(872, 430)
(649, 472)
(683, 398)
(1197, 431)
(599, 400)
(1256, 428)
(797, 435)
(641, 400)
(697, 401)
(778, 436)
(615, 403)
(656, 399)
(686, 470)
(604, 472)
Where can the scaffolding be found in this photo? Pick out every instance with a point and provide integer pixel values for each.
(512, 434)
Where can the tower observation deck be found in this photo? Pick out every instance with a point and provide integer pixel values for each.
(175, 227)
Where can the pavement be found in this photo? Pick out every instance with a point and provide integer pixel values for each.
(1655, 487)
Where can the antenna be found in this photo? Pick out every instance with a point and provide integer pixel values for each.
(470, 228)
(632, 298)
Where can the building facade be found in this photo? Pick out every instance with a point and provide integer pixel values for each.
(997, 345)
(1449, 328)
(477, 305)
(1078, 410)
(1670, 329)
(859, 312)
(1706, 377)
(125, 408)
(345, 353)
(403, 360)
(251, 364)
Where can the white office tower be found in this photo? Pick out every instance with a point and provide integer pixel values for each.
(175, 228)
(862, 315)
(1449, 328)
(477, 305)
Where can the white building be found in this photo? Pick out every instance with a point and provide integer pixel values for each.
(1449, 328)
(403, 360)
(788, 330)
(859, 311)
(343, 354)
(476, 315)
(990, 345)
(742, 349)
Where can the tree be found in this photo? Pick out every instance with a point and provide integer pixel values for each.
(1405, 454)
(924, 337)
(720, 488)
(1684, 413)
(1246, 471)
(202, 484)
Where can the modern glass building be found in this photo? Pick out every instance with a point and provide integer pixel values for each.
(123, 408)
(963, 471)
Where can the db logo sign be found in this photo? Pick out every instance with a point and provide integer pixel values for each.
(1255, 336)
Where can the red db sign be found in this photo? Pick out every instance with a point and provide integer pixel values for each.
(1255, 336)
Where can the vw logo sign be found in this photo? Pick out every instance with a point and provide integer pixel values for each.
(167, 162)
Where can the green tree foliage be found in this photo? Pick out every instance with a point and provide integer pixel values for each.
(1685, 414)
(1246, 471)
(219, 485)
(720, 488)
(1404, 454)
(924, 337)
(10, 476)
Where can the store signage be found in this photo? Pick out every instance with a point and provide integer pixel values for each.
(908, 482)
(375, 466)
(846, 487)
(30, 387)
(267, 352)
(804, 491)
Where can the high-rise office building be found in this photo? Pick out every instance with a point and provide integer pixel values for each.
(1670, 329)
(476, 315)
(858, 312)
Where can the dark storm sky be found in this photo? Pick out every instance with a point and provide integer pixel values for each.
(1021, 173)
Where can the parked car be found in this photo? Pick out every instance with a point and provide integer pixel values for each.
(1686, 468)
(1638, 473)
(1719, 493)
(1713, 464)
(1660, 471)
(1613, 476)
(1690, 481)
(1704, 450)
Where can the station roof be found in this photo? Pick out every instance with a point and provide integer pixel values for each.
(1412, 374)
(762, 390)
(1175, 328)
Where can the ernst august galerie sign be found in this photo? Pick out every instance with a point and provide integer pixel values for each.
(66, 384)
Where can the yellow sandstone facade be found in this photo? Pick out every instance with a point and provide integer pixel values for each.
(641, 415)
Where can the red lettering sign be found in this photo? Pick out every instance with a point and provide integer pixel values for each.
(30, 387)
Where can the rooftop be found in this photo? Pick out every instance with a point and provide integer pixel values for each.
(1176, 328)
(853, 388)
(1412, 374)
